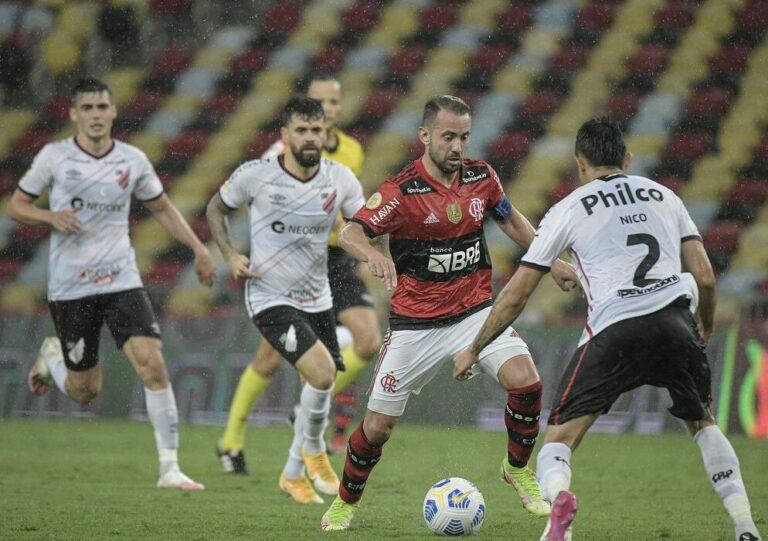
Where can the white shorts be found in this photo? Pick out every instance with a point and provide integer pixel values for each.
(409, 360)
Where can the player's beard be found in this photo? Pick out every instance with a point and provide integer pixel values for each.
(305, 159)
(443, 164)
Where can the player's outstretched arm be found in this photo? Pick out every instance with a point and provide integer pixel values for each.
(217, 215)
(22, 208)
(354, 241)
(697, 263)
(172, 220)
(506, 308)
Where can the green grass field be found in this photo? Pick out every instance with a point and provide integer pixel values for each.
(95, 480)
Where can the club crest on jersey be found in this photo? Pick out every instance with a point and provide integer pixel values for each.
(374, 201)
(476, 209)
(453, 211)
(124, 178)
(329, 200)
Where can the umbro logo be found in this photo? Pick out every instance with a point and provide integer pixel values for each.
(563, 460)
(431, 219)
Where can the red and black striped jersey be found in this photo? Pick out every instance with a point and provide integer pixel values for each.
(437, 241)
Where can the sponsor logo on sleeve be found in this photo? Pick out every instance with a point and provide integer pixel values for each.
(384, 211)
(374, 201)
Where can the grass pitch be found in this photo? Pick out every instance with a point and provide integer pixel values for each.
(95, 480)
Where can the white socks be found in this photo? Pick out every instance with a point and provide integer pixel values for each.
(308, 428)
(722, 467)
(161, 408)
(553, 469)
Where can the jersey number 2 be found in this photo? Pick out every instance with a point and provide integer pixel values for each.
(648, 261)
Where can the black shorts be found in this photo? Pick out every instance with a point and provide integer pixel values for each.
(78, 323)
(662, 349)
(347, 288)
(292, 332)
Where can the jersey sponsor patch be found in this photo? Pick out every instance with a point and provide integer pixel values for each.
(474, 174)
(374, 201)
(415, 186)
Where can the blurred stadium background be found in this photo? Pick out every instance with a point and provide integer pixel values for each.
(199, 85)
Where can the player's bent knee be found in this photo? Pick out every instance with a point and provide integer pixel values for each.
(378, 427)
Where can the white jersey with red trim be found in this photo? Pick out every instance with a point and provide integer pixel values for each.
(290, 221)
(624, 235)
(99, 259)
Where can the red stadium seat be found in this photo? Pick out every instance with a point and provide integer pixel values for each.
(491, 57)
(407, 61)
(623, 106)
(251, 60)
(541, 104)
(651, 59)
(381, 102)
(30, 143)
(760, 151)
(570, 57)
(689, 145)
(9, 268)
(172, 60)
(730, 59)
(673, 183)
(754, 16)
(222, 104)
(8, 181)
(58, 107)
(164, 272)
(515, 18)
(749, 191)
(710, 101)
(566, 186)
(330, 59)
(438, 16)
(143, 104)
(261, 142)
(169, 7)
(677, 15)
(201, 229)
(284, 16)
(30, 234)
(723, 235)
(513, 145)
(597, 16)
(188, 144)
(361, 17)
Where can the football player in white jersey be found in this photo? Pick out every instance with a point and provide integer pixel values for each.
(293, 201)
(648, 322)
(93, 277)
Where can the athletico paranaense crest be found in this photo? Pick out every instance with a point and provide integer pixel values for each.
(329, 201)
(454, 213)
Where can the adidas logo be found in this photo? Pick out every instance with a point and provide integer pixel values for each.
(431, 219)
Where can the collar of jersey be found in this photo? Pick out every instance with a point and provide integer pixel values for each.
(612, 176)
(94, 156)
(433, 181)
(281, 161)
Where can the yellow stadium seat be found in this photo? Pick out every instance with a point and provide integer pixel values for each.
(190, 301)
(21, 298)
(61, 53)
(123, 83)
(76, 19)
(152, 144)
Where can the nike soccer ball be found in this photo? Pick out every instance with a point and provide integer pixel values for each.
(454, 506)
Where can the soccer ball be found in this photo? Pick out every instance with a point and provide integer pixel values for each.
(454, 506)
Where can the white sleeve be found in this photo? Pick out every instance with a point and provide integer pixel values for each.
(352, 198)
(39, 177)
(276, 149)
(148, 185)
(552, 238)
(688, 229)
(234, 192)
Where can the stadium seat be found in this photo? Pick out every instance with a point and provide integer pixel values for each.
(284, 16)
(723, 236)
(172, 61)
